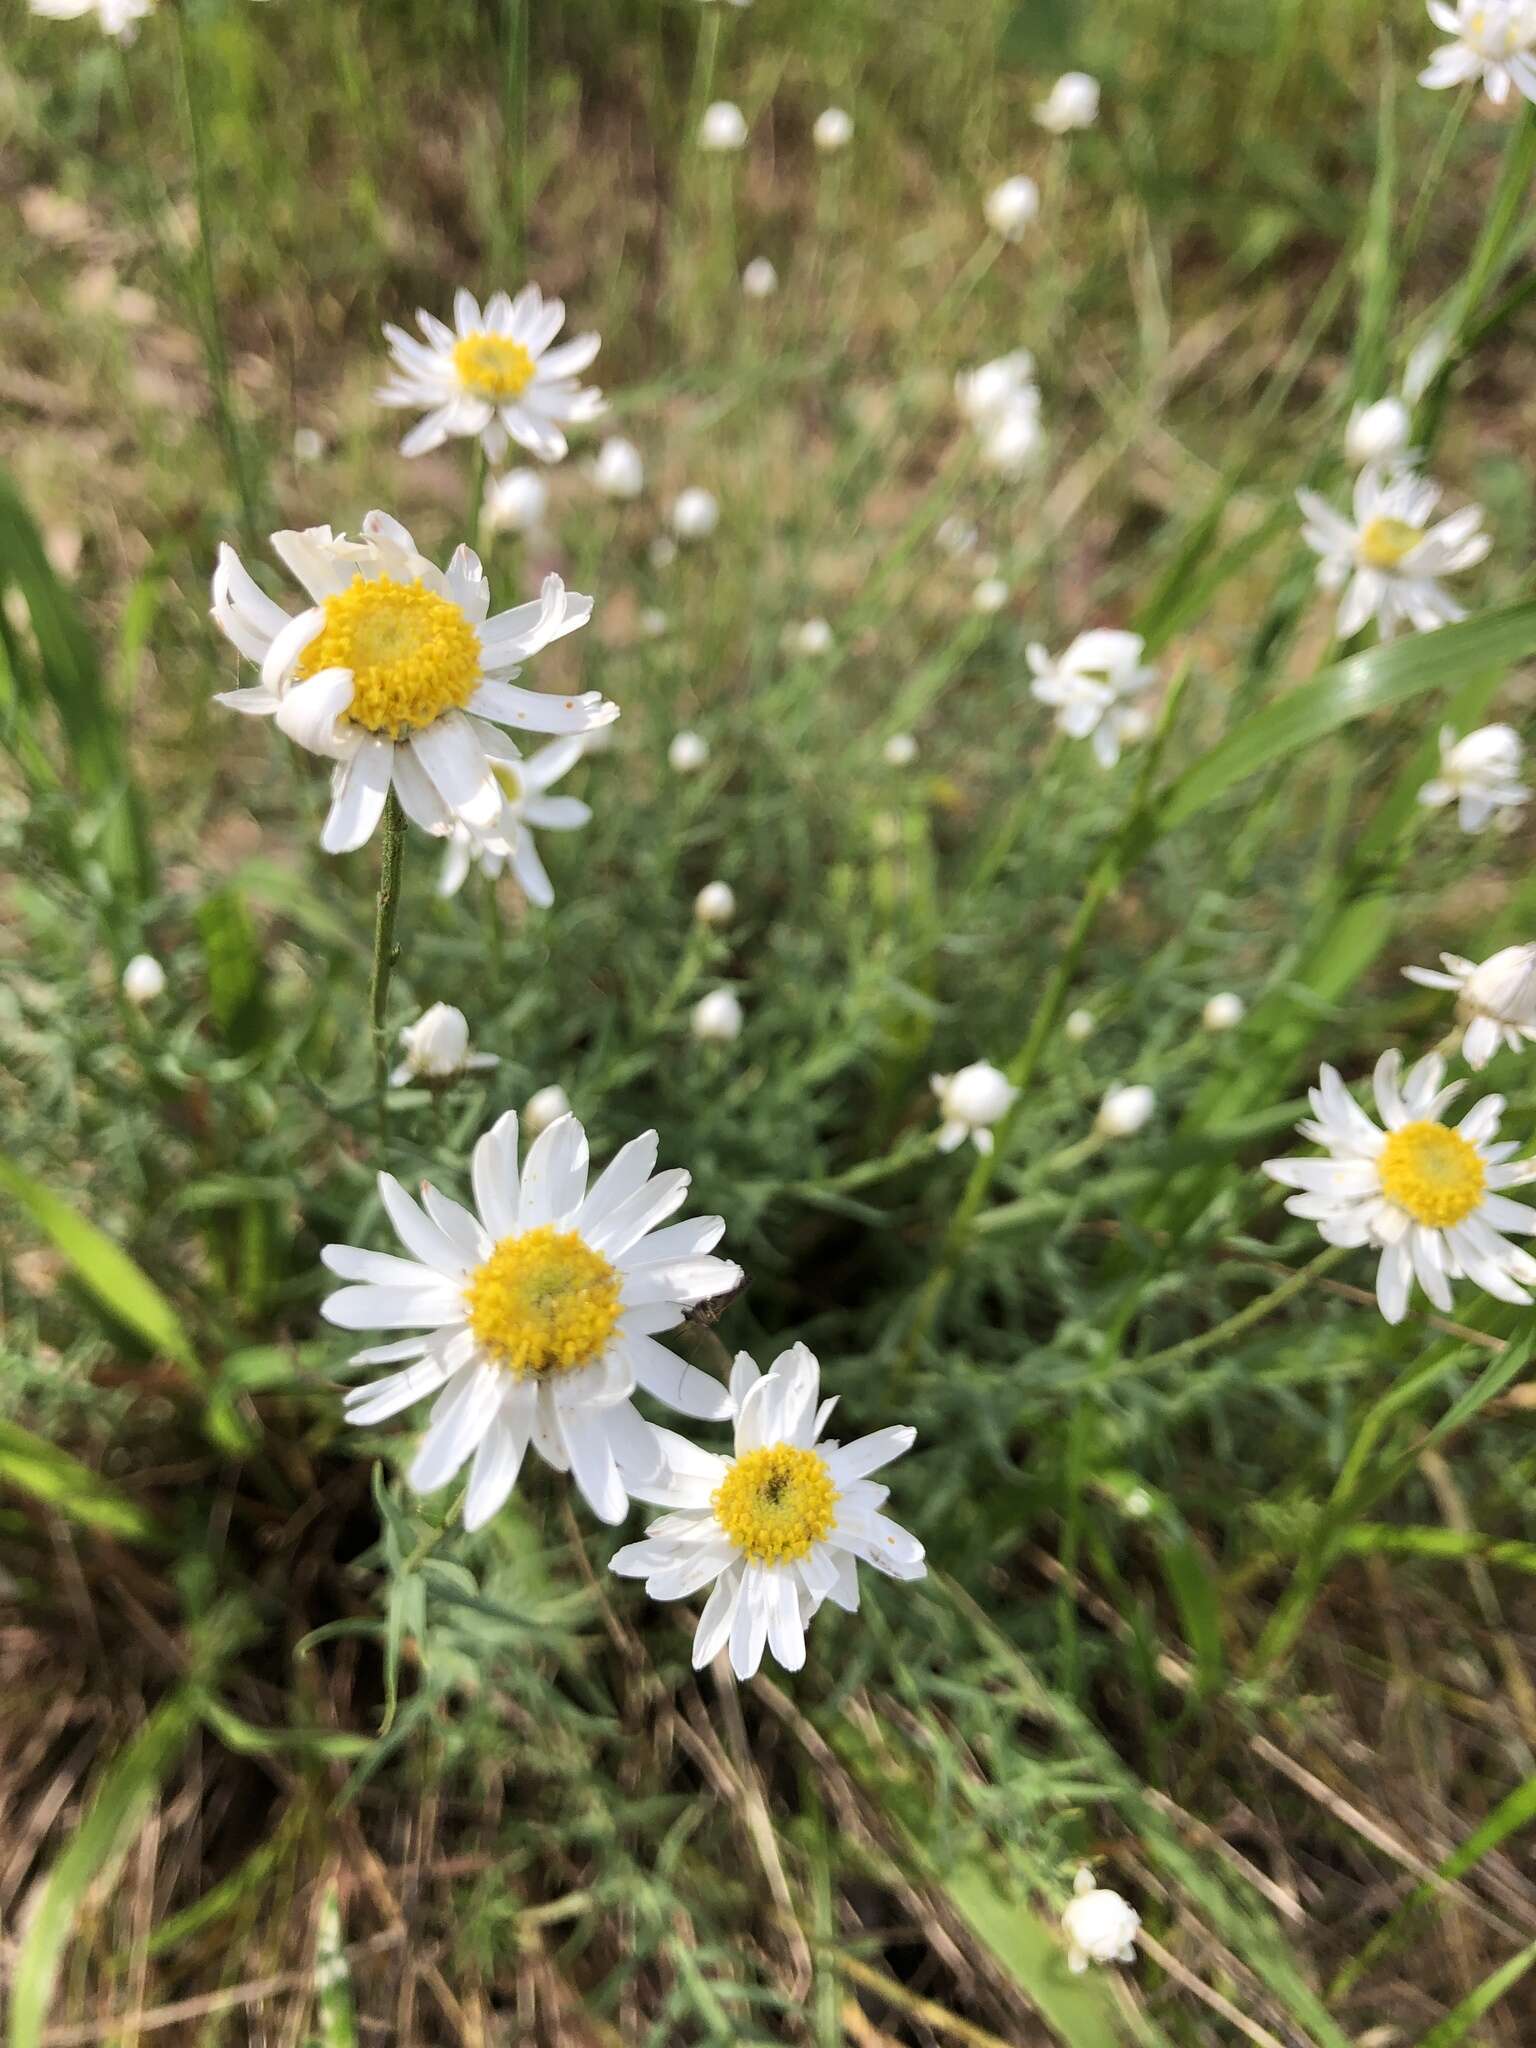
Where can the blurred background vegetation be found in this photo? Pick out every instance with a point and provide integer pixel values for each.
(1234, 1606)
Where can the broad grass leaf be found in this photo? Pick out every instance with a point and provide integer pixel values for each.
(36, 1467)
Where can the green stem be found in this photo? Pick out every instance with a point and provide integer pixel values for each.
(215, 354)
(513, 224)
(1245, 1318)
(384, 949)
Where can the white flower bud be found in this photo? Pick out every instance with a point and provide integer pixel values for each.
(1080, 1025)
(1073, 103)
(812, 638)
(990, 389)
(833, 130)
(619, 471)
(724, 127)
(653, 623)
(716, 1018)
(956, 535)
(715, 903)
(544, 1107)
(1378, 433)
(663, 551)
(759, 280)
(688, 752)
(1011, 206)
(990, 595)
(1012, 439)
(899, 751)
(695, 513)
(1125, 1111)
(970, 1102)
(437, 1048)
(308, 446)
(1223, 1012)
(143, 979)
(516, 502)
(1099, 1925)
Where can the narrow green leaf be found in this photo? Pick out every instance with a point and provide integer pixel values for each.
(117, 1283)
(34, 1466)
(1458, 2024)
(1369, 1538)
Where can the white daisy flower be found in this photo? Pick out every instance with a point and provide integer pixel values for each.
(779, 1527)
(1491, 41)
(1495, 1001)
(619, 470)
(116, 17)
(1010, 207)
(970, 1102)
(525, 803)
(536, 1316)
(1088, 686)
(437, 1048)
(988, 391)
(493, 374)
(1099, 1925)
(143, 980)
(695, 513)
(687, 752)
(1387, 558)
(1073, 103)
(1430, 1197)
(515, 502)
(394, 671)
(759, 280)
(833, 130)
(1480, 774)
(723, 128)
(1379, 432)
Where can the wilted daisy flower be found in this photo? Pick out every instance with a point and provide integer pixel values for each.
(899, 751)
(437, 1048)
(619, 471)
(524, 804)
(759, 280)
(393, 672)
(715, 903)
(724, 127)
(1388, 559)
(1100, 1926)
(143, 979)
(779, 1527)
(1379, 432)
(1429, 1196)
(1073, 103)
(1088, 686)
(1125, 1111)
(538, 1315)
(1223, 1012)
(1492, 42)
(695, 513)
(970, 1102)
(716, 1019)
(1495, 1001)
(543, 1107)
(1011, 206)
(988, 391)
(515, 502)
(833, 130)
(688, 752)
(493, 374)
(1480, 774)
(116, 17)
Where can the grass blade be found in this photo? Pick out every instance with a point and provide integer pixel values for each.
(34, 1466)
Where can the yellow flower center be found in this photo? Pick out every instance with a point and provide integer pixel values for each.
(1385, 542)
(544, 1302)
(775, 1504)
(493, 366)
(413, 654)
(1433, 1173)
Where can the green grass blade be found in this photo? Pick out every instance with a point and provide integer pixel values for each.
(35, 1467)
(108, 1272)
(1078, 2010)
(1457, 2024)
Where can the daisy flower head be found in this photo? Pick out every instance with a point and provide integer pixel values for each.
(987, 392)
(493, 375)
(535, 1316)
(779, 1526)
(1088, 687)
(525, 803)
(1495, 1000)
(1480, 774)
(436, 1048)
(1073, 102)
(1493, 41)
(1430, 1197)
(970, 1102)
(397, 674)
(119, 18)
(1099, 1925)
(1388, 557)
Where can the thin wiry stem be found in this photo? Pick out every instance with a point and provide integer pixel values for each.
(384, 948)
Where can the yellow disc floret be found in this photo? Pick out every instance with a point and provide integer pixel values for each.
(776, 1504)
(544, 1302)
(493, 366)
(413, 654)
(1433, 1173)
(1384, 543)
